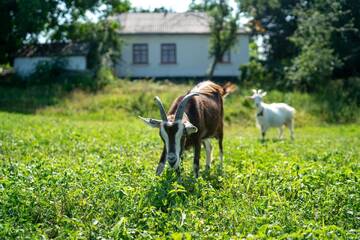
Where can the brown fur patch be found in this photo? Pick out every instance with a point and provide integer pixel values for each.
(208, 88)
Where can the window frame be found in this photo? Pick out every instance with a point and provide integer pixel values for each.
(140, 52)
(168, 56)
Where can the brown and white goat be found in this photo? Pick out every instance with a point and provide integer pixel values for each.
(192, 120)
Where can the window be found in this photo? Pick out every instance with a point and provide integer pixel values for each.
(140, 53)
(226, 57)
(168, 53)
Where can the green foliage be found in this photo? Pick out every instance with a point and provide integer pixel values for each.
(47, 71)
(105, 43)
(309, 46)
(254, 74)
(105, 48)
(22, 21)
(121, 99)
(223, 27)
(313, 67)
(276, 22)
(55, 73)
(65, 178)
(315, 64)
(340, 104)
(104, 76)
(155, 10)
(203, 6)
(308, 43)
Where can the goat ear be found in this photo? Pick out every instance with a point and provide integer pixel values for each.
(190, 129)
(151, 122)
(254, 91)
(263, 94)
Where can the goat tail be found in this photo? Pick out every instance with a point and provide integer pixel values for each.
(228, 88)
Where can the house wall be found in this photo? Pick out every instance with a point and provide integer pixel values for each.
(24, 66)
(192, 57)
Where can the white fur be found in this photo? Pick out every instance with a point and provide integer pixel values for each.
(221, 159)
(165, 136)
(273, 115)
(208, 148)
(178, 136)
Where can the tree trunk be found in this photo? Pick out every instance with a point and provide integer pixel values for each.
(212, 69)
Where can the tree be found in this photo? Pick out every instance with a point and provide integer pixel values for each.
(105, 48)
(316, 60)
(22, 21)
(105, 44)
(346, 38)
(204, 6)
(321, 26)
(275, 21)
(307, 39)
(223, 30)
(155, 10)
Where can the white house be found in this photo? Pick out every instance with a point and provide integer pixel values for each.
(160, 45)
(73, 56)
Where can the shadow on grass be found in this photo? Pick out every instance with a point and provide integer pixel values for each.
(275, 140)
(24, 99)
(27, 96)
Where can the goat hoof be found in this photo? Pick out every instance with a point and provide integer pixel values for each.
(160, 169)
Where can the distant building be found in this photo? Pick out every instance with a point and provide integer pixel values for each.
(74, 56)
(170, 45)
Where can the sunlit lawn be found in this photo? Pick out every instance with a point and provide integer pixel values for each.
(66, 178)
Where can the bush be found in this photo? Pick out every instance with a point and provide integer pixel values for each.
(103, 77)
(47, 72)
(341, 103)
(54, 72)
(254, 74)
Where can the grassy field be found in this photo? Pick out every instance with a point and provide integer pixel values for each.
(82, 166)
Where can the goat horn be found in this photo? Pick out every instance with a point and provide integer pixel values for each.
(161, 108)
(181, 108)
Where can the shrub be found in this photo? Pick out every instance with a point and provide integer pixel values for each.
(47, 72)
(54, 72)
(103, 77)
(254, 74)
(340, 102)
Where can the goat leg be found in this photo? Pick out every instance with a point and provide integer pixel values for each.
(197, 150)
(263, 136)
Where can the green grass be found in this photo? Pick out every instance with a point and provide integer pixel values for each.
(84, 168)
(120, 100)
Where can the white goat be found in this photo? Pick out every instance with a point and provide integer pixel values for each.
(273, 115)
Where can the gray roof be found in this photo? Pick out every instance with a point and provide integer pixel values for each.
(54, 49)
(165, 23)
